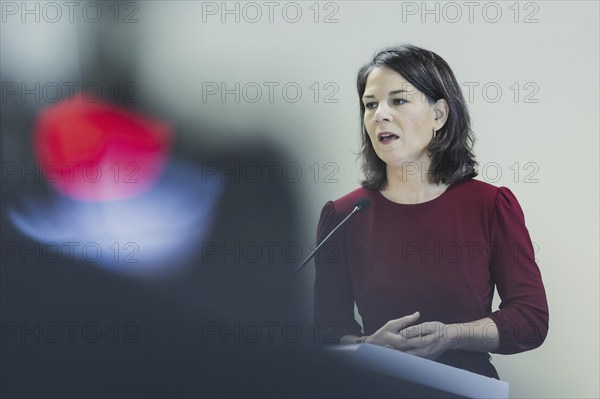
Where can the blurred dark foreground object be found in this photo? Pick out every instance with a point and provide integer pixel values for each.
(71, 328)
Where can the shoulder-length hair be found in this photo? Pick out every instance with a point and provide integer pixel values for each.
(452, 159)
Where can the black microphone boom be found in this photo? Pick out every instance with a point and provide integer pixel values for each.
(360, 206)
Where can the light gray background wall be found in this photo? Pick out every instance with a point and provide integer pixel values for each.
(529, 71)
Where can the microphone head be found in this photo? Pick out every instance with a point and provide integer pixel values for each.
(362, 204)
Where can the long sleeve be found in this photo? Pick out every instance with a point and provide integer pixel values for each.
(522, 318)
(334, 300)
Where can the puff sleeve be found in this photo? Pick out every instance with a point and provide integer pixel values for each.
(522, 318)
(333, 297)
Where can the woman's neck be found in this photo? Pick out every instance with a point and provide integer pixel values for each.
(409, 184)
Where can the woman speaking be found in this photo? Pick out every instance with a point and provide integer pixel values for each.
(422, 261)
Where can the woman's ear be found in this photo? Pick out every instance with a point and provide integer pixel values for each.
(441, 110)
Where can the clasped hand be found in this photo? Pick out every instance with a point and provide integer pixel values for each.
(426, 340)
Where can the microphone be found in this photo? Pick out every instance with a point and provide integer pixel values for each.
(360, 206)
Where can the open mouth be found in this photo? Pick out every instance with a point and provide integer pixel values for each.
(387, 137)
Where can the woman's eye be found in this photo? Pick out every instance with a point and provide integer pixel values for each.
(370, 105)
(398, 101)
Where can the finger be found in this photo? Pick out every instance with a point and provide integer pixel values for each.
(411, 331)
(426, 328)
(403, 322)
(404, 344)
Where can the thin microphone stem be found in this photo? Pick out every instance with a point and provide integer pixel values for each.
(356, 209)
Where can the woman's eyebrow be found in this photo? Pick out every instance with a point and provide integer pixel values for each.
(391, 93)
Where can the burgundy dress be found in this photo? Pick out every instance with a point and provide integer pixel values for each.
(441, 258)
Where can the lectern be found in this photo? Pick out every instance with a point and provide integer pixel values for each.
(423, 376)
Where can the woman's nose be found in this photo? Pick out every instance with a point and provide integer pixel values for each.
(382, 114)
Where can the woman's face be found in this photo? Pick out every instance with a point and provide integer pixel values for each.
(398, 118)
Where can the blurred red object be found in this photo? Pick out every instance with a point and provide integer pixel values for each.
(94, 151)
